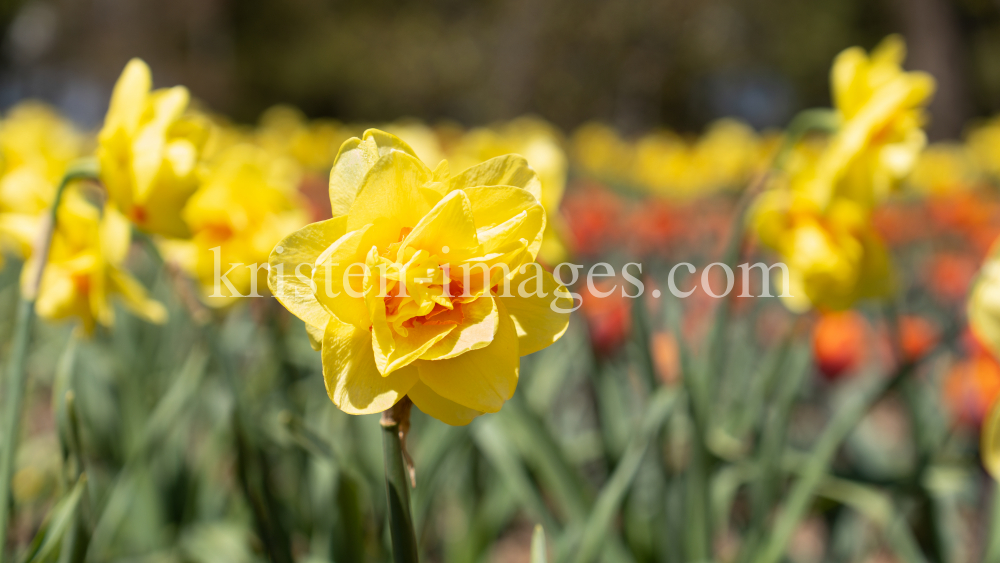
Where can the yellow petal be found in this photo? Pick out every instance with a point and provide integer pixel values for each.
(504, 216)
(479, 379)
(56, 293)
(449, 224)
(148, 149)
(432, 404)
(291, 282)
(480, 321)
(395, 351)
(331, 270)
(478, 275)
(355, 159)
(507, 170)
(115, 235)
(540, 321)
(136, 298)
(315, 335)
(353, 382)
(128, 99)
(843, 79)
(391, 195)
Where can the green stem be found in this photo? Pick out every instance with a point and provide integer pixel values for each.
(16, 375)
(395, 423)
(816, 119)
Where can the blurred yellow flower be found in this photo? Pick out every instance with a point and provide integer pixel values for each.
(671, 166)
(724, 158)
(834, 255)
(983, 142)
(834, 259)
(601, 152)
(818, 216)
(944, 168)
(284, 130)
(150, 151)
(247, 203)
(84, 269)
(36, 146)
(406, 286)
(882, 112)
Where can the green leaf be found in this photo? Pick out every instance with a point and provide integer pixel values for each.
(45, 546)
(614, 491)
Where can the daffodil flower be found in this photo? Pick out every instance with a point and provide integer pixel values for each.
(247, 203)
(149, 151)
(424, 283)
(834, 259)
(36, 146)
(882, 109)
(819, 216)
(84, 268)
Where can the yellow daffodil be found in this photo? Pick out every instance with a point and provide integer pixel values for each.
(834, 259)
(819, 216)
(36, 146)
(541, 145)
(882, 112)
(248, 203)
(84, 269)
(150, 151)
(406, 287)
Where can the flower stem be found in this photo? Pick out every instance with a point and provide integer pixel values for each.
(16, 375)
(395, 423)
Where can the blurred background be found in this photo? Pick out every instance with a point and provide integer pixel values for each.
(635, 65)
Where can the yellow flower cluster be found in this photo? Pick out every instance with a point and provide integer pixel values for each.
(665, 164)
(948, 167)
(818, 214)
